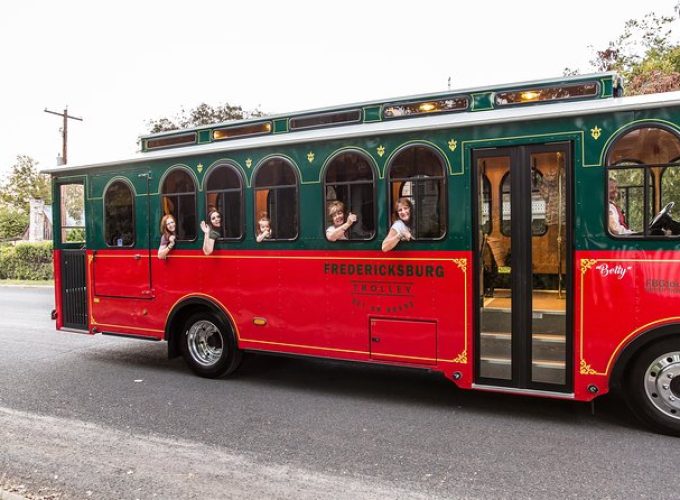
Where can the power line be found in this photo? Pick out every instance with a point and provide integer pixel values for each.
(64, 130)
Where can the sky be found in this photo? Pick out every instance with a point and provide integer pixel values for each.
(119, 64)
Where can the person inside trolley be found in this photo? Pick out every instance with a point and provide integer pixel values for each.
(336, 212)
(264, 229)
(211, 231)
(168, 235)
(617, 219)
(401, 229)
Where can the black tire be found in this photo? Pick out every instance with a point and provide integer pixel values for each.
(652, 388)
(208, 345)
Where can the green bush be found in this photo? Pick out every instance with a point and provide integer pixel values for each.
(13, 222)
(26, 261)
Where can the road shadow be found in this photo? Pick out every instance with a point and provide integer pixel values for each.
(371, 383)
(419, 387)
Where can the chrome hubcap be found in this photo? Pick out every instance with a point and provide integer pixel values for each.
(662, 384)
(205, 343)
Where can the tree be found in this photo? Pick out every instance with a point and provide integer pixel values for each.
(25, 183)
(203, 114)
(646, 54)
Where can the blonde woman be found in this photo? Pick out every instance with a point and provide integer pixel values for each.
(336, 212)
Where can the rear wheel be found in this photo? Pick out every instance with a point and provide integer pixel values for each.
(208, 345)
(653, 386)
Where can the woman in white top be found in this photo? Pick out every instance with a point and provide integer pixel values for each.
(338, 231)
(401, 229)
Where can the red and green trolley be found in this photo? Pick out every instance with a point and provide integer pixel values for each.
(515, 280)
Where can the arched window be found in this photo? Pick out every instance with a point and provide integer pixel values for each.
(643, 176)
(224, 193)
(418, 173)
(645, 146)
(350, 180)
(276, 198)
(119, 215)
(179, 199)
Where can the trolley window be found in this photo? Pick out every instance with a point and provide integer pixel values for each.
(276, 200)
(418, 173)
(179, 200)
(643, 183)
(224, 193)
(350, 181)
(119, 215)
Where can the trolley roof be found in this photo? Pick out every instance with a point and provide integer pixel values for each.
(460, 108)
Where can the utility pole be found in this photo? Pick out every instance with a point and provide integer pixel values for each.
(64, 130)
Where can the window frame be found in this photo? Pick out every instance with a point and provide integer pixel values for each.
(63, 241)
(126, 182)
(649, 180)
(241, 190)
(325, 184)
(444, 191)
(188, 172)
(255, 190)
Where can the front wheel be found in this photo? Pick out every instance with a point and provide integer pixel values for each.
(208, 345)
(653, 386)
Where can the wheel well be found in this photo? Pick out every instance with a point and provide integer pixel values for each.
(632, 350)
(179, 315)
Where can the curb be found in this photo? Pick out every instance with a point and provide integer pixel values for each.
(26, 285)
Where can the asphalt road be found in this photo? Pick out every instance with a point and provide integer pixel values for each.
(101, 417)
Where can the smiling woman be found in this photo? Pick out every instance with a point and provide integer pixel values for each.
(168, 236)
(211, 231)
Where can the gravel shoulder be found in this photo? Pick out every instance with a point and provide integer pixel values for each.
(56, 458)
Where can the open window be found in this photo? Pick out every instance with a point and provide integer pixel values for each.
(224, 193)
(275, 185)
(418, 173)
(179, 200)
(643, 183)
(350, 179)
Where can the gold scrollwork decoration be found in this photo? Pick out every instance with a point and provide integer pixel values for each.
(249, 162)
(199, 167)
(310, 157)
(585, 369)
(380, 150)
(596, 132)
(453, 144)
(461, 263)
(587, 264)
(461, 358)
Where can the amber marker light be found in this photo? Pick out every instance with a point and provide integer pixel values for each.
(259, 321)
(427, 106)
(530, 95)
